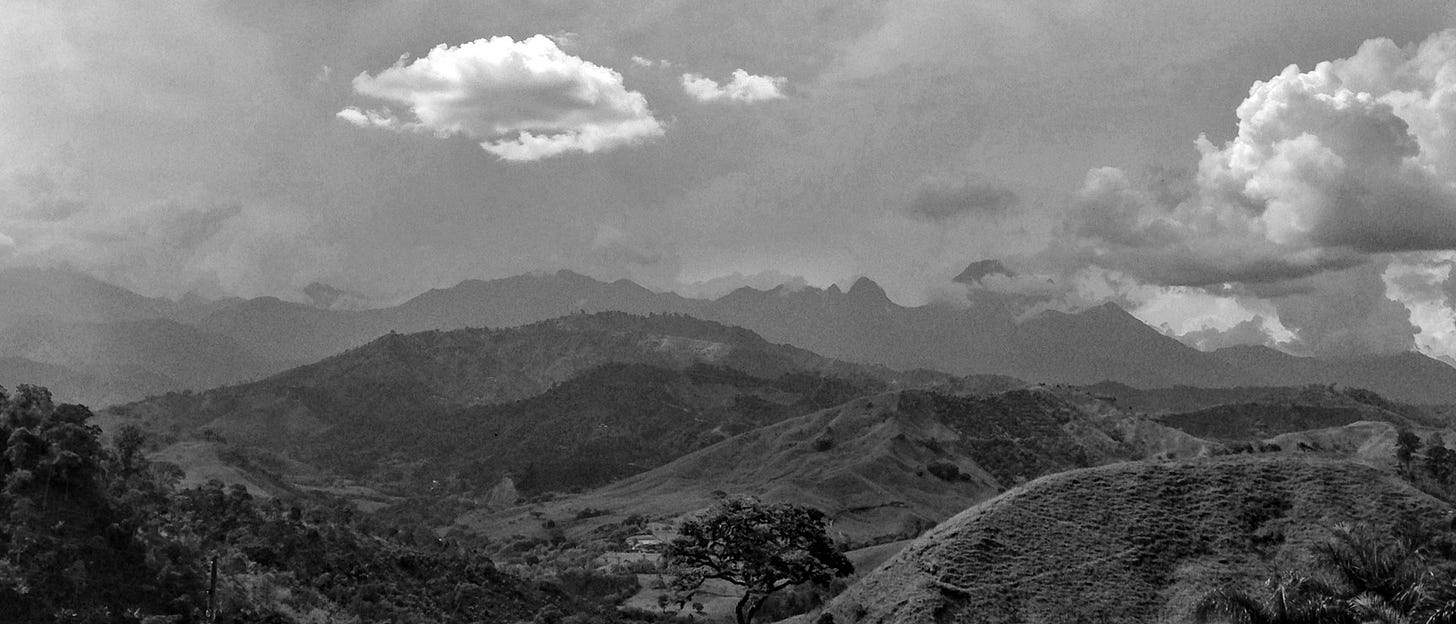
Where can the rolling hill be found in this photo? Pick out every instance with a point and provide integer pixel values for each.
(883, 467)
(1131, 542)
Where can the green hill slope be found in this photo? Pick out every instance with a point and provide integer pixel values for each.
(884, 467)
(1131, 542)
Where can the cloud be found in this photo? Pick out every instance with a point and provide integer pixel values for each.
(1329, 167)
(524, 100)
(1247, 332)
(942, 199)
(1347, 313)
(744, 87)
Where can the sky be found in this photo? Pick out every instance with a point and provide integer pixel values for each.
(1233, 172)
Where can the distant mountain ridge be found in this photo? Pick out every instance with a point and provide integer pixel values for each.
(860, 324)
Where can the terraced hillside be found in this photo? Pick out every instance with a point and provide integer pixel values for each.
(1131, 542)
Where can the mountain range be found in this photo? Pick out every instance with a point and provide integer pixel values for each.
(122, 335)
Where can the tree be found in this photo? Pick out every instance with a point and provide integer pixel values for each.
(1406, 444)
(1382, 571)
(759, 546)
(1289, 599)
(1438, 458)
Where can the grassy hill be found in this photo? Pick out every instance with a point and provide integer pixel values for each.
(1130, 542)
(884, 467)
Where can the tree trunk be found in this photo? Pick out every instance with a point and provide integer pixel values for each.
(738, 613)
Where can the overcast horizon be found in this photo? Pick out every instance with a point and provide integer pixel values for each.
(1238, 173)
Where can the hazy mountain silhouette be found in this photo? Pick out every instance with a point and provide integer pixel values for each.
(1409, 376)
(191, 358)
(71, 296)
(95, 343)
(861, 325)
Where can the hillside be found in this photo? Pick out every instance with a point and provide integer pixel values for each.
(607, 423)
(884, 467)
(1132, 542)
(74, 386)
(432, 400)
(1410, 377)
(71, 296)
(177, 356)
(1288, 410)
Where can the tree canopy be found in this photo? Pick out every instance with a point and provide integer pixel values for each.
(759, 546)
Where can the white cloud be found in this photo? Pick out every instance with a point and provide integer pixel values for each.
(744, 87)
(524, 100)
(1352, 158)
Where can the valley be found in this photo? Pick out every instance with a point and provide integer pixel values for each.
(553, 446)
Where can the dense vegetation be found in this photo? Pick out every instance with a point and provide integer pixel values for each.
(96, 534)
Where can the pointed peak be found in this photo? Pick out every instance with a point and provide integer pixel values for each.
(833, 290)
(866, 287)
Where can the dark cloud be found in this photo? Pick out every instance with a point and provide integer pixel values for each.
(1347, 313)
(943, 199)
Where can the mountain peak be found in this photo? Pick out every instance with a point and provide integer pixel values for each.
(981, 269)
(572, 276)
(865, 287)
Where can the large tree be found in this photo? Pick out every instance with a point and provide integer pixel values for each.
(759, 546)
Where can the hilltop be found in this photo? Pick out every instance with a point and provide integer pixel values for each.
(1130, 542)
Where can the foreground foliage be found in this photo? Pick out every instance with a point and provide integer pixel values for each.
(1404, 576)
(91, 534)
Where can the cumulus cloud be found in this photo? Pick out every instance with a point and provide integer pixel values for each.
(1352, 158)
(744, 87)
(947, 198)
(523, 100)
(642, 61)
